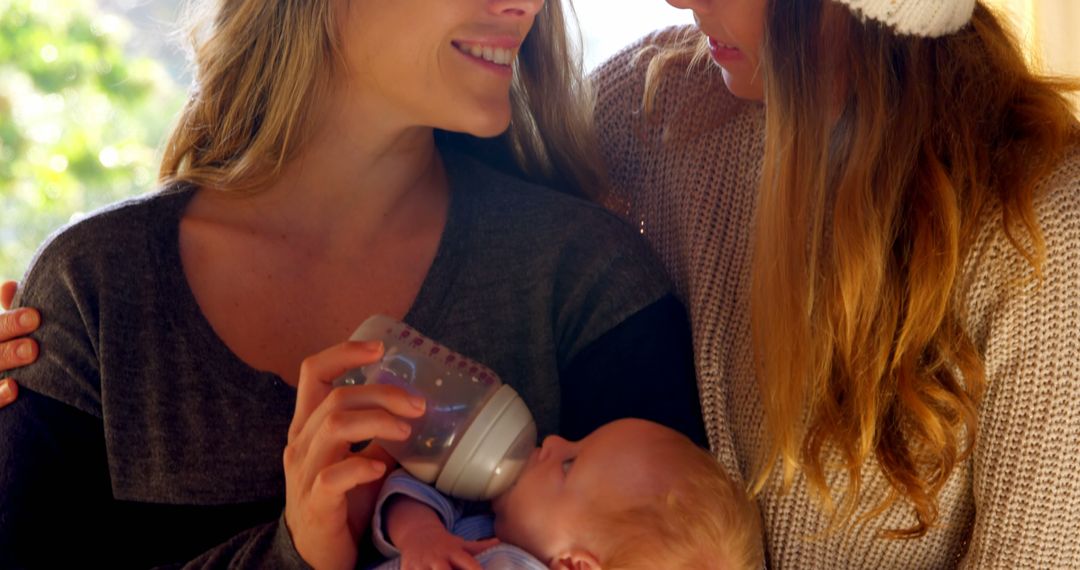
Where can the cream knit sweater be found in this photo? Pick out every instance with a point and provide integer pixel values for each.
(691, 190)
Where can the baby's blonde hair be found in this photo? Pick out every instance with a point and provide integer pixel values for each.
(703, 521)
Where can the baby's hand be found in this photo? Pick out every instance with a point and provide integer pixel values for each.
(436, 549)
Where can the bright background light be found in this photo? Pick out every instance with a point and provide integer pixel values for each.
(609, 25)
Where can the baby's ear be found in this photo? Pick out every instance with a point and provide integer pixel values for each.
(575, 559)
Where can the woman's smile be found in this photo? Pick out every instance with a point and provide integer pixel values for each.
(496, 55)
(723, 53)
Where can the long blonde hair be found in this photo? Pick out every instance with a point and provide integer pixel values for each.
(883, 155)
(259, 66)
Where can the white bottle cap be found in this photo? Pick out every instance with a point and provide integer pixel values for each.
(492, 451)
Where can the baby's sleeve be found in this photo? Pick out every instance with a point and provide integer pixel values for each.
(401, 483)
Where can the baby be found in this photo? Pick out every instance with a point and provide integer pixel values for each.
(633, 494)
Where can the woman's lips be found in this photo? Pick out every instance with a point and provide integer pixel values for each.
(723, 53)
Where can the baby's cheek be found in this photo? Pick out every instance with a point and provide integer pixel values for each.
(512, 519)
(498, 504)
(505, 525)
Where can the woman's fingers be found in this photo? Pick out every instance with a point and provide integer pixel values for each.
(18, 323)
(359, 413)
(9, 390)
(319, 371)
(16, 353)
(7, 294)
(330, 442)
(316, 513)
(320, 472)
(317, 398)
(348, 415)
(331, 484)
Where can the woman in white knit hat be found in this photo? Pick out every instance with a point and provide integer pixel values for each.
(905, 204)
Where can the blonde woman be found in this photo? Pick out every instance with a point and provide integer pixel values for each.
(177, 416)
(871, 208)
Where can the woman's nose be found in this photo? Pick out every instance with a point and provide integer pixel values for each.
(698, 6)
(528, 8)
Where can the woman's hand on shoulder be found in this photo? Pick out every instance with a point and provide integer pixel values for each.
(15, 350)
(320, 469)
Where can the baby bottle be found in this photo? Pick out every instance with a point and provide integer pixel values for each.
(476, 432)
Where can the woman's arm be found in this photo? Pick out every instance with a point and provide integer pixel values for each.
(57, 480)
(1027, 450)
(54, 485)
(643, 367)
(15, 351)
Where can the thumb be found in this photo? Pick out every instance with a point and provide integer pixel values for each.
(7, 294)
(9, 390)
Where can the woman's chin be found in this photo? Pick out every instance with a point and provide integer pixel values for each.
(742, 87)
(484, 124)
(489, 131)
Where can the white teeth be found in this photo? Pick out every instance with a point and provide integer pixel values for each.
(501, 56)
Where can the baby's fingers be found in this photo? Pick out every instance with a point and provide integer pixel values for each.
(462, 560)
(426, 564)
(475, 547)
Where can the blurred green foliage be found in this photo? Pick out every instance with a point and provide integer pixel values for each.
(80, 120)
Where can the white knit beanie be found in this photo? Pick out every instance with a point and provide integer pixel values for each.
(926, 18)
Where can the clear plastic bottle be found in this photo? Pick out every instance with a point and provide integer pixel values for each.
(476, 434)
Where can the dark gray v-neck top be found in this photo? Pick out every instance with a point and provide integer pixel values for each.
(141, 439)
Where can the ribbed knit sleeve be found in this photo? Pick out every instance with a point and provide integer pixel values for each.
(1026, 465)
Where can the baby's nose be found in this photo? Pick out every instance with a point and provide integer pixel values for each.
(552, 444)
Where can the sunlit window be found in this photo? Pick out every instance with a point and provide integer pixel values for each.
(81, 116)
(608, 25)
(1048, 29)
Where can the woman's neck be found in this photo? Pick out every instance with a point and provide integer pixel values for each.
(350, 227)
(359, 175)
(358, 180)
